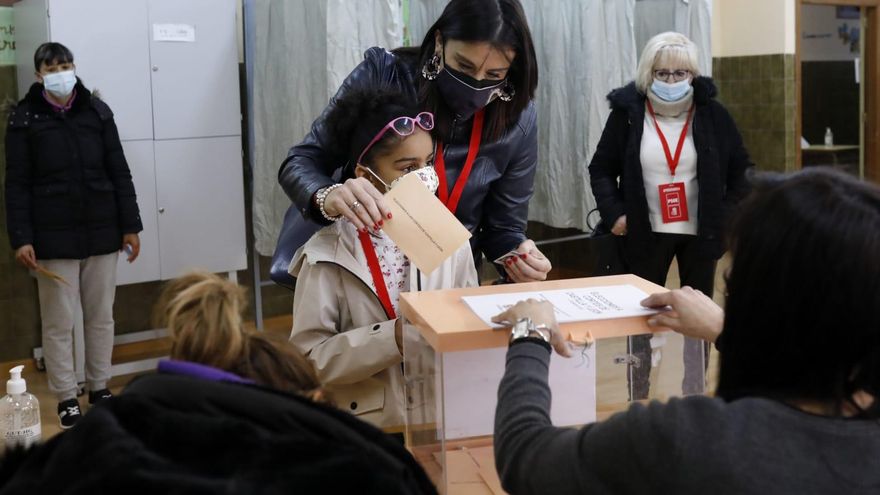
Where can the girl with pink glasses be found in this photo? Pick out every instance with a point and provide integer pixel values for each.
(349, 280)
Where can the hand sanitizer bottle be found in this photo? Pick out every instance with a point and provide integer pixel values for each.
(829, 137)
(19, 413)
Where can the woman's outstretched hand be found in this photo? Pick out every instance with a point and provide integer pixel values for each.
(688, 312)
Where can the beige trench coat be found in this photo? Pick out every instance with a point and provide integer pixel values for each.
(339, 323)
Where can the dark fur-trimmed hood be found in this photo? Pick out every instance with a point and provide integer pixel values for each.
(38, 103)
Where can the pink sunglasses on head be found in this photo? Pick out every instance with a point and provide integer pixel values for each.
(403, 126)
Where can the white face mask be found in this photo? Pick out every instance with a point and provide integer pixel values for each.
(427, 175)
(60, 84)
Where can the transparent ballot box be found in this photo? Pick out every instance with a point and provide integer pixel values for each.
(454, 361)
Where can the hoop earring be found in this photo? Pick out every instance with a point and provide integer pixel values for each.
(431, 69)
(507, 92)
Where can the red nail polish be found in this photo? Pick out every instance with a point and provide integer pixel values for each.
(389, 216)
(381, 223)
(375, 227)
(523, 256)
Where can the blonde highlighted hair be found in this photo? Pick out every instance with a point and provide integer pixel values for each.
(203, 315)
(672, 49)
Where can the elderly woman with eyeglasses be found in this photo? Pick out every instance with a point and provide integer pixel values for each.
(668, 170)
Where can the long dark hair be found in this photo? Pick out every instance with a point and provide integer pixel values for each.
(803, 307)
(499, 22)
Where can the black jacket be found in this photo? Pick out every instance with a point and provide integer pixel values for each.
(722, 162)
(494, 204)
(68, 187)
(179, 434)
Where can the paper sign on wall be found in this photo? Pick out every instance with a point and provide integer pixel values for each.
(181, 33)
(421, 226)
(7, 36)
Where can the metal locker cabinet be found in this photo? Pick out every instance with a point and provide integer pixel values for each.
(191, 95)
(110, 46)
(200, 198)
(139, 155)
(195, 82)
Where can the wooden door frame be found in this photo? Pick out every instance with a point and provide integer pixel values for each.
(871, 82)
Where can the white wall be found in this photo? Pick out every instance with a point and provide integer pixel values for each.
(819, 31)
(753, 27)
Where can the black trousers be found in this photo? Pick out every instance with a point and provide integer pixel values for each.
(694, 271)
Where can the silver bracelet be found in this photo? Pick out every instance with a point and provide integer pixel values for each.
(321, 196)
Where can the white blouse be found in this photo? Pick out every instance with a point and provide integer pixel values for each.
(395, 267)
(655, 171)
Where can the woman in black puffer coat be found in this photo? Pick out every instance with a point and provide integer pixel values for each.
(669, 194)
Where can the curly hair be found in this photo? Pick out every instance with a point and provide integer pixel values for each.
(360, 114)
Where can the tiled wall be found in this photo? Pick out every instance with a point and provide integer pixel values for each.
(759, 92)
(19, 307)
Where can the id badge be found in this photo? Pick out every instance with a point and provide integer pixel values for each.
(673, 202)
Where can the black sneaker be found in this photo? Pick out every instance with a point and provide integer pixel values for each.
(98, 396)
(68, 413)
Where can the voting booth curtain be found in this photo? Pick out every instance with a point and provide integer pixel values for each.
(299, 51)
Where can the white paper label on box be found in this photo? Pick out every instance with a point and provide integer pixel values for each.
(570, 305)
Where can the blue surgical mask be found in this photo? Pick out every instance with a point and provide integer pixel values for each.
(60, 84)
(671, 91)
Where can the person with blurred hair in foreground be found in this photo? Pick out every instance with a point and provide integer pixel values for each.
(796, 407)
(233, 411)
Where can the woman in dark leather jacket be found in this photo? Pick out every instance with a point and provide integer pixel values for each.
(476, 71)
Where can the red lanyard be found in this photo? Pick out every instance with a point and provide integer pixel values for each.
(376, 272)
(451, 200)
(670, 160)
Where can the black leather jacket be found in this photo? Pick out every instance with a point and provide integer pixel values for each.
(494, 203)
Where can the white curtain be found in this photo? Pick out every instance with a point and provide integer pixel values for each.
(298, 53)
(692, 18)
(422, 14)
(585, 49)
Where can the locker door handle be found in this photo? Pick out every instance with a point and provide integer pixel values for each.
(161, 210)
(155, 68)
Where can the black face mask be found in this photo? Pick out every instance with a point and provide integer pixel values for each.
(464, 94)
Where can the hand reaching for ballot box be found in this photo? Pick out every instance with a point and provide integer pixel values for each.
(688, 312)
(541, 313)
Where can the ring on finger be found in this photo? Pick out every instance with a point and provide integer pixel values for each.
(355, 205)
